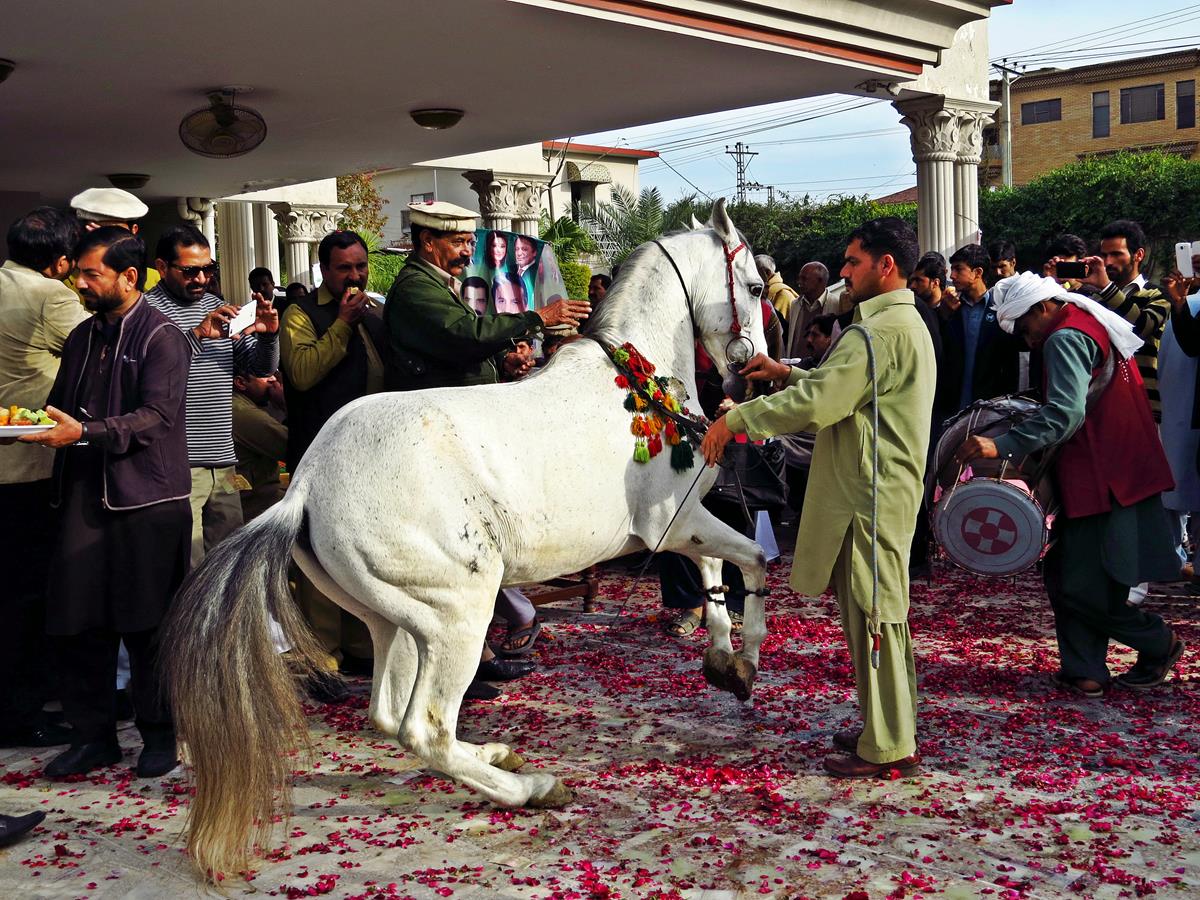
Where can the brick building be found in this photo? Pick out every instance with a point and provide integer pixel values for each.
(1060, 116)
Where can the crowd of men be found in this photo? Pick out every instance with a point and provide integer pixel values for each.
(169, 431)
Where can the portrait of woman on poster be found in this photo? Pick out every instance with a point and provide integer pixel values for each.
(496, 250)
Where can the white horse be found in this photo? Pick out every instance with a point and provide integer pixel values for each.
(411, 510)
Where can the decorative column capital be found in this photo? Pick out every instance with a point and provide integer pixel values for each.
(508, 195)
(933, 129)
(308, 223)
(973, 117)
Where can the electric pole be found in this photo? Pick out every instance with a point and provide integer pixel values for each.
(769, 188)
(741, 156)
(1005, 124)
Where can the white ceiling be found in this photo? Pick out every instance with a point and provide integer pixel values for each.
(101, 87)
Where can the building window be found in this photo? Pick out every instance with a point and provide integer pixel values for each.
(1041, 111)
(1100, 115)
(1143, 104)
(1185, 104)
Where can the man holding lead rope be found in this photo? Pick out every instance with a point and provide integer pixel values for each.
(870, 403)
(1110, 471)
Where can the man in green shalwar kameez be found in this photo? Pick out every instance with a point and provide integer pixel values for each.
(835, 538)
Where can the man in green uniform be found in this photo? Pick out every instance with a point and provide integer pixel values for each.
(835, 538)
(437, 340)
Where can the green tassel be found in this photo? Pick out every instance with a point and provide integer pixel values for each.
(641, 453)
(630, 405)
(682, 457)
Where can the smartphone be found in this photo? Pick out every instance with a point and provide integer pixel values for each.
(1183, 259)
(1071, 270)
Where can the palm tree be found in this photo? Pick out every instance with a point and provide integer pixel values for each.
(625, 223)
(566, 236)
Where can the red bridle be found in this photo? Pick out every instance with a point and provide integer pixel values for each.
(730, 255)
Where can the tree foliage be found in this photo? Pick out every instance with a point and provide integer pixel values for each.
(385, 265)
(566, 236)
(576, 276)
(626, 223)
(364, 204)
(1153, 189)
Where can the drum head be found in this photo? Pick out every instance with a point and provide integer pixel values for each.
(990, 527)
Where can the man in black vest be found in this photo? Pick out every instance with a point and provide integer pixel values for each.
(331, 351)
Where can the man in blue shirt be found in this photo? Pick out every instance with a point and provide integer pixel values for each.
(978, 355)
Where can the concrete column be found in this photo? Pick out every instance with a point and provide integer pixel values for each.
(497, 199)
(235, 253)
(972, 119)
(529, 193)
(303, 227)
(266, 239)
(200, 212)
(933, 133)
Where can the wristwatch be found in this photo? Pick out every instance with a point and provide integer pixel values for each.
(83, 437)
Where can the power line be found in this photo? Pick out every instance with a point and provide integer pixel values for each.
(1109, 31)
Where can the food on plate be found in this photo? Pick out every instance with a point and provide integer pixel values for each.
(19, 415)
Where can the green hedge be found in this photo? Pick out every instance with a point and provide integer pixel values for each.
(576, 277)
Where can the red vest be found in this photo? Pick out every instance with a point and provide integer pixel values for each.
(1116, 454)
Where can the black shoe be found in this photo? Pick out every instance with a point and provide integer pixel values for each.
(45, 735)
(503, 669)
(481, 690)
(84, 758)
(158, 755)
(1151, 673)
(326, 688)
(124, 705)
(12, 828)
(357, 665)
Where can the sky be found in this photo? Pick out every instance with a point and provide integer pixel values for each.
(849, 146)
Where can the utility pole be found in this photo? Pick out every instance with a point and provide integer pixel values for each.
(769, 188)
(1008, 76)
(742, 155)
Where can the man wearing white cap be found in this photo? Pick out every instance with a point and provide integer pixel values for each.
(438, 340)
(97, 207)
(1110, 471)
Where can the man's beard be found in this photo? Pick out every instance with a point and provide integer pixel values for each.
(101, 303)
(1118, 274)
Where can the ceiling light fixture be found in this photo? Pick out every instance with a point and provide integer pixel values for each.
(128, 181)
(437, 119)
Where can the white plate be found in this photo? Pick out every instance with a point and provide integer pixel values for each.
(14, 430)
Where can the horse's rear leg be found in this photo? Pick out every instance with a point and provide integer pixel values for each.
(448, 657)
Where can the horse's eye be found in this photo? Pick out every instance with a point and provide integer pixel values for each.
(756, 290)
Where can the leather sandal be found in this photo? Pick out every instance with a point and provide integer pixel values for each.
(1146, 675)
(1084, 687)
(684, 625)
(527, 633)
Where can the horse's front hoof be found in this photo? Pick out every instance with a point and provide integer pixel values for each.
(558, 795)
(741, 678)
(717, 665)
(510, 762)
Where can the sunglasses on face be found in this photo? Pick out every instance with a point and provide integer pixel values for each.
(196, 271)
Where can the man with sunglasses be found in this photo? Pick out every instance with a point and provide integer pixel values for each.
(185, 264)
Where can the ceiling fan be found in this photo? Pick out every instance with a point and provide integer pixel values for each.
(223, 129)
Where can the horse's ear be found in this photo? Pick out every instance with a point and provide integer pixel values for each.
(721, 223)
(696, 223)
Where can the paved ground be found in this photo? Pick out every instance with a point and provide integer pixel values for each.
(683, 793)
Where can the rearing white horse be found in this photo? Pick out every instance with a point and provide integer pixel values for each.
(411, 510)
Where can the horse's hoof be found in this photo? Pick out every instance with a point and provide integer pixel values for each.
(510, 762)
(741, 678)
(558, 795)
(717, 664)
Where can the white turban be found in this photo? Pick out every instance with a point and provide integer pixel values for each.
(1016, 295)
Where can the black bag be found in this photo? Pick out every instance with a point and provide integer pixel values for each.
(752, 476)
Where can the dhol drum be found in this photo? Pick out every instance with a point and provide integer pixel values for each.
(991, 516)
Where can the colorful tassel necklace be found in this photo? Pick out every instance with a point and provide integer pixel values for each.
(650, 429)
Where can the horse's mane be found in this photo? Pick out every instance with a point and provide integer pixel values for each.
(632, 284)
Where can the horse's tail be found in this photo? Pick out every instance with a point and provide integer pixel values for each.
(233, 696)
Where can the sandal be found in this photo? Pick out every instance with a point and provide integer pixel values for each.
(735, 622)
(684, 625)
(526, 636)
(1085, 687)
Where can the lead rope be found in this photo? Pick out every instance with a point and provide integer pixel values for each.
(873, 619)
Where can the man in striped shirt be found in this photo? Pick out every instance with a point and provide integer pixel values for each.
(185, 264)
(1117, 277)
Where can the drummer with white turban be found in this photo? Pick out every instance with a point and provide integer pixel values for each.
(1110, 471)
